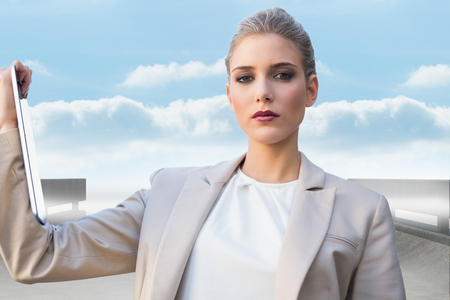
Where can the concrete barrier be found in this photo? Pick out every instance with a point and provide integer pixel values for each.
(59, 192)
(424, 204)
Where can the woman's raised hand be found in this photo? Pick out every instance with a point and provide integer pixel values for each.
(8, 117)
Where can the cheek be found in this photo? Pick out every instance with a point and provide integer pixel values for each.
(295, 106)
(240, 112)
(295, 100)
(239, 104)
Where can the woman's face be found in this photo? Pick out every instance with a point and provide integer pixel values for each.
(267, 90)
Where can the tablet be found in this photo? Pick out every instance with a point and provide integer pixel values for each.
(29, 153)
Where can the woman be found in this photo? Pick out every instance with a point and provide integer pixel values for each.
(267, 225)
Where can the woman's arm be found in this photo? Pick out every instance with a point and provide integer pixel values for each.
(96, 245)
(378, 275)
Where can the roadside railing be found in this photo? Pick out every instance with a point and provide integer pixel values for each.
(62, 198)
(423, 204)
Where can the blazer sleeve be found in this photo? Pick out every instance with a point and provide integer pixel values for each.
(378, 275)
(97, 245)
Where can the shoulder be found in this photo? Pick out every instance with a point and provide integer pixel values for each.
(357, 211)
(218, 173)
(174, 175)
(350, 189)
(355, 199)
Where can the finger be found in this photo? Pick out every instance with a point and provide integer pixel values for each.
(21, 70)
(23, 77)
(27, 79)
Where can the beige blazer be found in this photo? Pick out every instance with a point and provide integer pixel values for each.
(339, 242)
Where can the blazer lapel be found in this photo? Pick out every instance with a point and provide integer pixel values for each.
(188, 215)
(305, 231)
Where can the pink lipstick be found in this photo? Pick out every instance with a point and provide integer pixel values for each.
(265, 116)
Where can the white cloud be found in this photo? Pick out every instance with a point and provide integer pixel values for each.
(192, 117)
(429, 77)
(117, 142)
(390, 138)
(412, 159)
(150, 76)
(37, 67)
(322, 68)
(399, 114)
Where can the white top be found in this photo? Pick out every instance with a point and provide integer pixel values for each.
(236, 252)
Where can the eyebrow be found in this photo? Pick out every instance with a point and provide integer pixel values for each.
(243, 68)
(277, 65)
(282, 64)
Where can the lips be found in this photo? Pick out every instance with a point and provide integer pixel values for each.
(265, 116)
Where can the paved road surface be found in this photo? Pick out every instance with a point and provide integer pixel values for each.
(425, 267)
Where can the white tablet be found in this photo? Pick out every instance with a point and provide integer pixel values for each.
(29, 153)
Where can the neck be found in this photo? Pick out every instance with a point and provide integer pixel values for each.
(273, 163)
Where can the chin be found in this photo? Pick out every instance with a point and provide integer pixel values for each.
(268, 139)
(271, 137)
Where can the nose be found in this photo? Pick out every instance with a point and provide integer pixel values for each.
(263, 91)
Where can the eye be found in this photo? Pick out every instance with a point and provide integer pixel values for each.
(244, 79)
(284, 76)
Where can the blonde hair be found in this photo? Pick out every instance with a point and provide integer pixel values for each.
(278, 21)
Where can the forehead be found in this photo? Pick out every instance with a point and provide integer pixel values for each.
(263, 51)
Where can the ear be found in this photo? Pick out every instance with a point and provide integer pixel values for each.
(313, 90)
(229, 96)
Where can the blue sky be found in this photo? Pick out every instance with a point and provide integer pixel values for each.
(122, 88)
